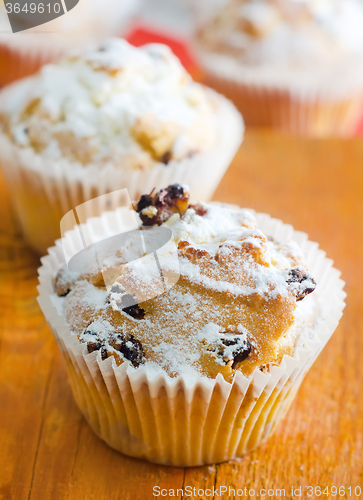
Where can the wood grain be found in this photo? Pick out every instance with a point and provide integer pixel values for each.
(47, 451)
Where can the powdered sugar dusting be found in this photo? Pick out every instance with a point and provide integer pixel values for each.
(233, 307)
(114, 103)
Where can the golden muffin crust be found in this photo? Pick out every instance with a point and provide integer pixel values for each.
(233, 307)
(113, 103)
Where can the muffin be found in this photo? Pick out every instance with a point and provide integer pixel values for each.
(22, 54)
(202, 368)
(110, 117)
(292, 65)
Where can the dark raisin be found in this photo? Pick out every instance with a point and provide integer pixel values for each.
(173, 199)
(231, 341)
(96, 343)
(94, 346)
(64, 281)
(144, 202)
(243, 349)
(166, 157)
(135, 311)
(133, 351)
(116, 288)
(241, 353)
(175, 191)
(104, 353)
(301, 281)
(125, 302)
(130, 308)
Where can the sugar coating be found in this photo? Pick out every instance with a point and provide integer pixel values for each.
(232, 295)
(113, 103)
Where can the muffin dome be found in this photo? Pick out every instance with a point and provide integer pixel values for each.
(113, 103)
(287, 36)
(237, 305)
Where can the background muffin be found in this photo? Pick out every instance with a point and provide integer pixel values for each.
(297, 66)
(108, 118)
(221, 353)
(22, 54)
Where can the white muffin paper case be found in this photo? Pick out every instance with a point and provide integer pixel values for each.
(43, 189)
(316, 102)
(186, 421)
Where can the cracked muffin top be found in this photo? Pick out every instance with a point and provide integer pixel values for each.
(113, 103)
(232, 300)
(284, 35)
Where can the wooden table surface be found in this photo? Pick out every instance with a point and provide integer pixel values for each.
(47, 450)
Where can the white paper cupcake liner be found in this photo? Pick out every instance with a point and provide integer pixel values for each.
(317, 108)
(182, 421)
(43, 190)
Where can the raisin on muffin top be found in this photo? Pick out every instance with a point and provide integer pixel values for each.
(113, 103)
(238, 303)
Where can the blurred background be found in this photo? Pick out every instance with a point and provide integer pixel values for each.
(208, 37)
(297, 163)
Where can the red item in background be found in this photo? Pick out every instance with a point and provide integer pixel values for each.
(141, 35)
(360, 127)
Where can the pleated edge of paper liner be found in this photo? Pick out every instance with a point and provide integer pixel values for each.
(291, 368)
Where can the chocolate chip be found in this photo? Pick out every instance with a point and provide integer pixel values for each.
(165, 203)
(301, 282)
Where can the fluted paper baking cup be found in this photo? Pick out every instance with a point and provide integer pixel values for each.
(43, 190)
(295, 107)
(185, 421)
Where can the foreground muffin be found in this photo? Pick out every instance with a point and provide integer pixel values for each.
(296, 66)
(204, 369)
(111, 117)
(22, 54)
